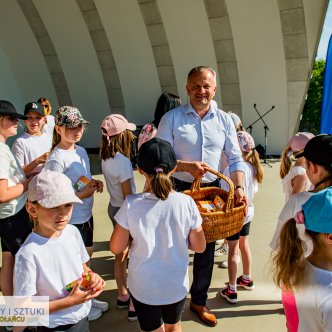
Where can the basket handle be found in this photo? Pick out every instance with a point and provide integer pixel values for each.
(230, 199)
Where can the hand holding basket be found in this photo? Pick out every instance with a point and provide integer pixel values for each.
(218, 224)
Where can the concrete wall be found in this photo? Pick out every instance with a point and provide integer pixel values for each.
(118, 56)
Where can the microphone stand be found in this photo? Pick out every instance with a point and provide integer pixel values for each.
(266, 128)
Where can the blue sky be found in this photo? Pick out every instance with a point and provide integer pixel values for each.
(326, 33)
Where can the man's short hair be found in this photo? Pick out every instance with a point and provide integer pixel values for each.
(199, 69)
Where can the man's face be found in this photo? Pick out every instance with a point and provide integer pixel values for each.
(201, 88)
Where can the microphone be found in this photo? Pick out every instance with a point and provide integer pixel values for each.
(272, 107)
(255, 105)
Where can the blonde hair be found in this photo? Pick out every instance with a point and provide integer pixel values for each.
(48, 104)
(252, 157)
(121, 143)
(286, 162)
(161, 185)
(289, 258)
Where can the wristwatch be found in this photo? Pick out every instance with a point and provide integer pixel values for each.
(238, 187)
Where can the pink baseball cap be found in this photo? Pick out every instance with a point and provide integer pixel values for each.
(299, 141)
(51, 189)
(245, 140)
(115, 124)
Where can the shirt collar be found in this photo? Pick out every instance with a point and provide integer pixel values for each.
(212, 109)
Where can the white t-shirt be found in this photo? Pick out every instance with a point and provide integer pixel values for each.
(158, 265)
(10, 170)
(250, 188)
(49, 126)
(44, 266)
(287, 181)
(27, 148)
(314, 301)
(292, 206)
(116, 171)
(74, 164)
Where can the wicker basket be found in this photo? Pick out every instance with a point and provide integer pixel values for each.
(218, 224)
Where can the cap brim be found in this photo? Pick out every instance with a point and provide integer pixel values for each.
(34, 110)
(131, 126)
(15, 115)
(52, 202)
(299, 155)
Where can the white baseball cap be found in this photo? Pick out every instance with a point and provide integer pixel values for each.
(51, 189)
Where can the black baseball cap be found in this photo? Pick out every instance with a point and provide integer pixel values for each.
(7, 108)
(319, 150)
(156, 153)
(34, 107)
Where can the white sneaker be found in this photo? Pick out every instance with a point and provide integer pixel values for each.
(9, 328)
(220, 242)
(223, 250)
(224, 264)
(94, 314)
(102, 305)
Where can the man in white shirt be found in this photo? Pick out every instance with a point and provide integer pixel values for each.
(199, 133)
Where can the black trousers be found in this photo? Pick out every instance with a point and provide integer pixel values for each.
(203, 262)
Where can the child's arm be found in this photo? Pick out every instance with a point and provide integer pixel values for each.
(126, 188)
(298, 183)
(40, 160)
(196, 240)
(119, 240)
(9, 193)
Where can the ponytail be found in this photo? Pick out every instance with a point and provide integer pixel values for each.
(56, 139)
(161, 185)
(289, 260)
(253, 158)
(286, 162)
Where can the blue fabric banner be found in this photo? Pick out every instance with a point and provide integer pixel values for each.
(326, 108)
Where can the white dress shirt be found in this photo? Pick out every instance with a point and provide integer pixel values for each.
(196, 139)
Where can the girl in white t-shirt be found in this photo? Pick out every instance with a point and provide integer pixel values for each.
(252, 176)
(54, 255)
(15, 225)
(294, 178)
(308, 279)
(159, 225)
(72, 160)
(115, 150)
(33, 147)
(318, 161)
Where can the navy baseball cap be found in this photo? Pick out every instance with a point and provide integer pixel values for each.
(156, 154)
(34, 107)
(318, 150)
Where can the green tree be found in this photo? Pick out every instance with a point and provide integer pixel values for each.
(311, 112)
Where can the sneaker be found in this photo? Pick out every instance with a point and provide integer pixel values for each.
(94, 314)
(122, 304)
(103, 306)
(223, 264)
(220, 242)
(229, 295)
(9, 328)
(223, 250)
(132, 317)
(247, 284)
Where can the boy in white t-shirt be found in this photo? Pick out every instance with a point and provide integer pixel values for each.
(54, 255)
(32, 148)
